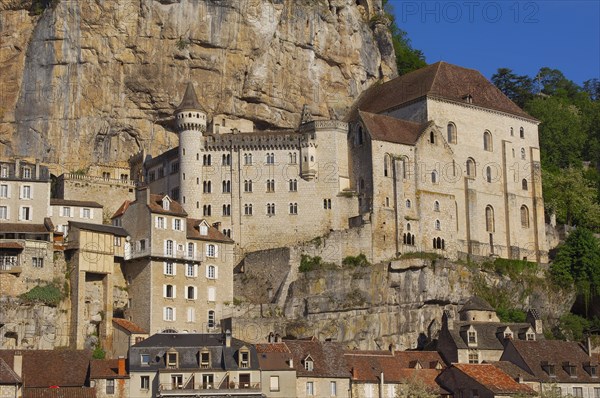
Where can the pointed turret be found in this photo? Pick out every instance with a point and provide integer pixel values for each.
(190, 100)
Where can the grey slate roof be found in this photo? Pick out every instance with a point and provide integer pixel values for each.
(188, 347)
(476, 304)
(190, 100)
(490, 335)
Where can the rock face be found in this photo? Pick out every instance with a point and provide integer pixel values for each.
(96, 81)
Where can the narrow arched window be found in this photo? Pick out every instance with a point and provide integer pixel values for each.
(523, 157)
(408, 226)
(434, 177)
(522, 132)
(524, 184)
(436, 206)
(489, 219)
(408, 203)
(404, 166)
(451, 133)
(386, 165)
(432, 137)
(512, 132)
(471, 168)
(488, 174)
(438, 225)
(524, 217)
(487, 141)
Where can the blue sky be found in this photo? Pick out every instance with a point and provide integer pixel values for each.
(521, 35)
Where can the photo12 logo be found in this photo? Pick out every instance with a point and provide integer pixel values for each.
(467, 11)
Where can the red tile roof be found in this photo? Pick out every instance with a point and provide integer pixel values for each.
(11, 245)
(106, 369)
(391, 129)
(69, 367)
(129, 326)
(122, 209)
(441, 80)
(7, 375)
(493, 378)
(26, 228)
(328, 358)
(272, 347)
(427, 359)
(79, 203)
(62, 392)
(175, 208)
(214, 235)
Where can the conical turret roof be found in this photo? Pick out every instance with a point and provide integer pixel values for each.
(190, 100)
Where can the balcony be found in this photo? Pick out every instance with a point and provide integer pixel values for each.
(183, 255)
(210, 390)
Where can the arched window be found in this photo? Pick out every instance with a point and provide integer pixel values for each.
(211, 272)
(408, 203)
(488, 174)
(487, 141)
(512, 132)
(451, 133)
(436, 206)
(471, 168)
(434, 177)
(523, 157)
(404, 162)
(438, 225)
(524, 217)
(432, 137)
(524, 184)
(522, 132)
(489, 219)
(408, 226)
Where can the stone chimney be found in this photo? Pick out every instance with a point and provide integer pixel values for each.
(142, 195)
(122, 371)
(18, 363)
(228, 338)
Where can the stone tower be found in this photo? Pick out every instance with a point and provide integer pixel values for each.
(190, 121)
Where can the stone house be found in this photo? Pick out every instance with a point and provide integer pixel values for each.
(321, 368)
(179, 270)
(94, 252)
(109, 378)
(63, 211)
(418, 161)
(125, 334)
(481, 381)
(194, 365)
(479, 335)
(563, 366)
(389, 374)
(277, 372)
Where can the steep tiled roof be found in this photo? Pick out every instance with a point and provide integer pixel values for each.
(69, 367)
(175, 207)
(536, 354)
(11, 245)
(476, 304)
(129, 326)
(214, 235)
(489, 334)
(441, 80)
(427, 359)
(7, 375)
(272, 347)
(63, 392)
(107, 229)
(391, 129)
(328, 358)
(190, 100)
(274, 356)
(493, 378)
(26, 228)
(122, 209)
(514, 371)
(79, 203)
(105, 369)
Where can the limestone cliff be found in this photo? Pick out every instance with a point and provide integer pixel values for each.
(88, 81)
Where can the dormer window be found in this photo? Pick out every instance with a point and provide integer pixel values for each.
(166, 205)
(592, 369)
(172, 362)
(570, 368)
(508, 335)
(468, 98)
(26, 172)
(203, 230)
(472, 337)
(309, 364)
(530, 336)
(244, 357)
(205, 359)
(549, 368)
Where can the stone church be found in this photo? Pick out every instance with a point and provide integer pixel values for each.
(437, 160)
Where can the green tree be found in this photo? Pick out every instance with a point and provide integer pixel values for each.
(407, 58)
(553, 82)
(572, 197)
(519, 88)
(415, 387)
(578, 262)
